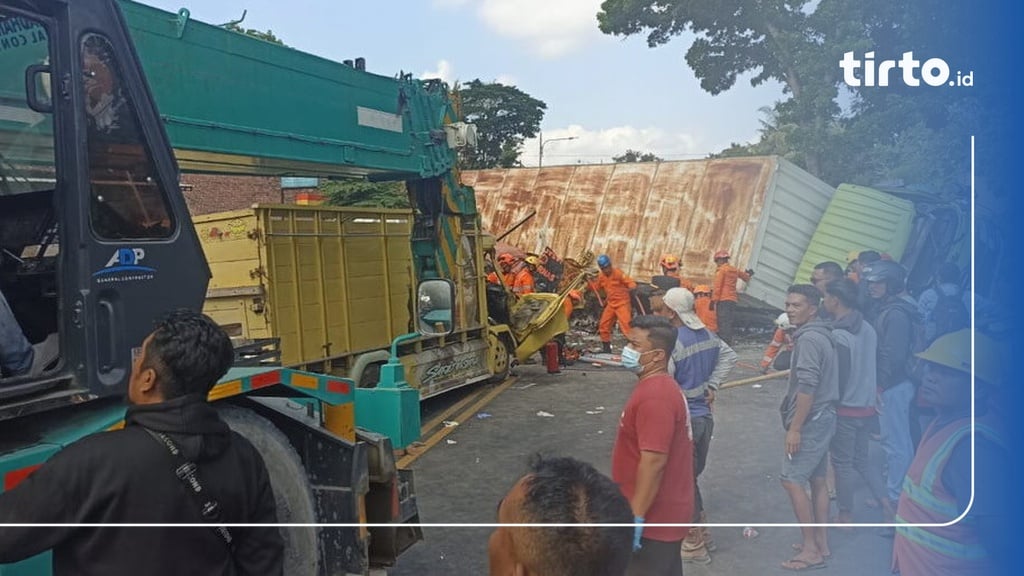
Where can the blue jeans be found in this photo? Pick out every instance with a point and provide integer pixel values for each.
(16, 353)
(894, 423)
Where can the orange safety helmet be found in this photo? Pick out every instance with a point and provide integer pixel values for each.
(722, 255)
(702, 289)
(669, 262)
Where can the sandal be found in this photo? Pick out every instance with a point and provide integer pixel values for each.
(800, 548)
(797, 565)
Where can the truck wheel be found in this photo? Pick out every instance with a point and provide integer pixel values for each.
(502, 352)
(292, 491)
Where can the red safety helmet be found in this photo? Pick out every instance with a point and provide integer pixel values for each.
(722, 255)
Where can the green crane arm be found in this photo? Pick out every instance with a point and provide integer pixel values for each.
(232, 103)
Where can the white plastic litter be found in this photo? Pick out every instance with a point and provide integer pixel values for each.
(450, 423)
(450, 441)
(545, 414)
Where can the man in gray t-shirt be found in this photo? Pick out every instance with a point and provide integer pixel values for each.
(809, 417)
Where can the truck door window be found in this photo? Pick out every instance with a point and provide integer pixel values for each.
(127, 199)
(26, 136)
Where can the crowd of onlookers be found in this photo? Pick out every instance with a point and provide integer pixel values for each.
(865, 361)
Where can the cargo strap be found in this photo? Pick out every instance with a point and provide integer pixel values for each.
(188, 473)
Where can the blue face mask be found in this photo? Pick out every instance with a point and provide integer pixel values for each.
(631, 360)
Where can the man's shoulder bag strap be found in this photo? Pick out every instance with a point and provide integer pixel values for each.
(188, 473)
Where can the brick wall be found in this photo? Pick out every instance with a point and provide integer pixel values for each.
(215, 193)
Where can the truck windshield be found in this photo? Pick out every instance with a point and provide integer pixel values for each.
(26, 136)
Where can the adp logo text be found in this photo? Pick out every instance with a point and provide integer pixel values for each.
(933, 71)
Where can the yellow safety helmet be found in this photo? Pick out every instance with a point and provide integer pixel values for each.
(953, 350)
(852, 256)
(532, 260)
(669, 262)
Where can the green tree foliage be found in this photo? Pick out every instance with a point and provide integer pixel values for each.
(365, 193)
(631, 155)
(505, 116)
(267, 35)
(912, 135)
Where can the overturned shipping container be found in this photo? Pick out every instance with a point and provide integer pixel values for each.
(764, 210)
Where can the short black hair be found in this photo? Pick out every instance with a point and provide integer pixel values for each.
(832, 269)
(844, 290)
(564, 490)
(869, 256)
(808, 291)
(189, 352)
(659, 329)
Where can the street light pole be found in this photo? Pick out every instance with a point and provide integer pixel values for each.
(540, 138)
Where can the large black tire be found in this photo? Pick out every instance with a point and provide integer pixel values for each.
(292, 491)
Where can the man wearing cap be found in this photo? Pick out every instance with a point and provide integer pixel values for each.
(700, 362)
(938, 486)
(617, 305)
(724, 295)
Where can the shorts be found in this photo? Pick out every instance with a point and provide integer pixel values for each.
(811, 461)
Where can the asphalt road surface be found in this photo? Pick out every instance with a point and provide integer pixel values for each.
(462, 478)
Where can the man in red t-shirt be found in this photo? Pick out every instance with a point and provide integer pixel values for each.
(652, 461)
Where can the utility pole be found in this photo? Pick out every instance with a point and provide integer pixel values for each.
(540, 138)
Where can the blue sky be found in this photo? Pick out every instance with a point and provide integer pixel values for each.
(611, 94)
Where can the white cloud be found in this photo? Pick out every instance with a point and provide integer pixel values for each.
(599, 146)
(549, 28)
(445, 71)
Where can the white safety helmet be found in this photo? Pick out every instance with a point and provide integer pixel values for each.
(783, 321)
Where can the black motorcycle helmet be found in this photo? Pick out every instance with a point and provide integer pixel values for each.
(891, 273)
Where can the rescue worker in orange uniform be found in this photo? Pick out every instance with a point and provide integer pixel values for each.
(702, 307)
(617, 303)
(569, 304)
(670, 267)
(505, 263)
(522, 282)
(724, 295)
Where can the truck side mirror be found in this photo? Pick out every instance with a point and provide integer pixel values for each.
(435, 300)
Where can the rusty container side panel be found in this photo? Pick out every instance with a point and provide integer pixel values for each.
(576, 224)
(637, 212)
(670, 216)
(513, 202)
(548, 198)
(620, 218)
(728, 207)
